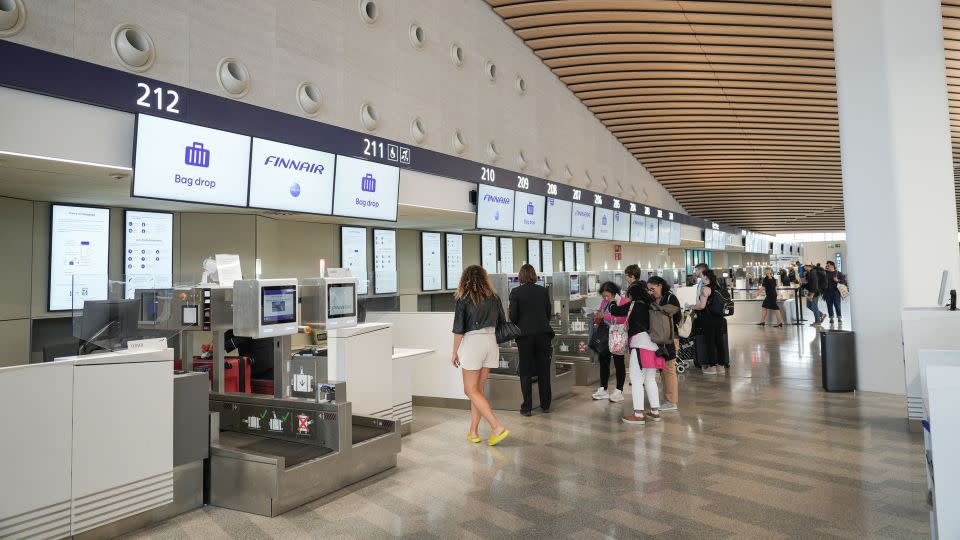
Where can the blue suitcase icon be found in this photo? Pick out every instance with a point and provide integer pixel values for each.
(368, 183)
(196, 155)
(530, 209)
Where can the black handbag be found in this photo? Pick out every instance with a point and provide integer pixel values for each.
(506, 330)
(599, 341)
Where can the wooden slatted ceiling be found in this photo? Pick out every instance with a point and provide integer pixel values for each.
(730, 105)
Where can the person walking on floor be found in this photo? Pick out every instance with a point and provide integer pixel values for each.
(769, 284)
(530, 309)
(610, 293)
(716, 357)
(814, 289)
(660, 291)
(475, 348)
(832, 295)
(644, 361)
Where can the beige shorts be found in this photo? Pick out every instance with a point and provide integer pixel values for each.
(479, 349)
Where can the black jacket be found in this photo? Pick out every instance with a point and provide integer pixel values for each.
(531, 308)
(639, 320)
(813, 285)
(469, 316)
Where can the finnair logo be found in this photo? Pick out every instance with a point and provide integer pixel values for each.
(582, 213)
(296, 165)
(295, 189)
(498, 199)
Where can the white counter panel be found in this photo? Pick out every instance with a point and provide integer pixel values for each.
(924, 328)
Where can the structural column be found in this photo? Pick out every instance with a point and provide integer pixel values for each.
(898, 190)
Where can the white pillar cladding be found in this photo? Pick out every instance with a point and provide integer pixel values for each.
(898, 190)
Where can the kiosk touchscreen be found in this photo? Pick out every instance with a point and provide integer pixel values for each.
(265, 307)
(330, 302)
(574, 286)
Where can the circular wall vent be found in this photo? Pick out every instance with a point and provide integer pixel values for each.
(456, 54)
(233, 77)
(493, 151)
(567, 174)
(369, 116)
(417, 37)
(309, 98)
(418, 131)
(369, 11)
(490, 70)
(13, 15)
(521, 160)
(521, 85)
(547, 169)
(458, 143)
(131, 44)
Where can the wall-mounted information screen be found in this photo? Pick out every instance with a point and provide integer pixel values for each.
(488, 253)
(581, 257)
(79, 251)
(666, 231)
(708, 239)
(384, 261)
(652, 236)
(621, 226)
(559, 214)
(431, 263)
(529, 213)
(183, 162)
(675, 234)
(353, 254)
(147, 250)
(533, 254)
(494, 208)
(603, 224)
(569, 262)
(506, 255)
(366, 190)
(454, 260)
(581, 225)
(547, 256)
(638, 228)
(285, 177)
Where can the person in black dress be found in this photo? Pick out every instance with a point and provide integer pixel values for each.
(769, 284)
(530, 309)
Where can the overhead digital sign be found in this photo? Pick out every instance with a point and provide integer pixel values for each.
(495, 208)
(528, 214)
(559, 215)
(621, 226)
(638, 228)
(365, 189)
(603, 224)
(286, 177)
(581, 225)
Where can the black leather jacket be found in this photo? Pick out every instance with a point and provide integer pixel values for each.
(469, 316)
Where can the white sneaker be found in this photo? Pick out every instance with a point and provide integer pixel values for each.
(709, 371)
(601, 393)
(616, 396)
(667, 406)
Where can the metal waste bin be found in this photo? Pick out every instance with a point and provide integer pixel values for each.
(838, 357)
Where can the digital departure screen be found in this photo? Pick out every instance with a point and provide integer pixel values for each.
(341, 300)
(279, 304)
(495, 208)
(559, 215)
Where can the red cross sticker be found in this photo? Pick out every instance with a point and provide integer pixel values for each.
(303, 423)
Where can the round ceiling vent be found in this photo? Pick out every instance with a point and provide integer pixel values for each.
(417, 131)
(233, 77)
(458, 143)
(369, 116)
(132, 45)
(417, 37)
(369, 11)
(456, 54)
(13, 15)
(309, 98)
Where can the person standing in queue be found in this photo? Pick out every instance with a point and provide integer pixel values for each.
(644, 361)
(714, 328)
(660, 291)
(530, 309)
(475, 348)
(832, 295)
(610, 293)
(814, 287)
(769, 284)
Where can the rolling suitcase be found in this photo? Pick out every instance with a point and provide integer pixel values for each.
(236, 373)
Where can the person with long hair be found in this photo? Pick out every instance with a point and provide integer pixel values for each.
(644, 362)
(660, 291)
(530, 309)
(769, 285)
(610, 293)
(475, 348)
(714, 327)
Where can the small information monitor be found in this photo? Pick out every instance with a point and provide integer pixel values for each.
(265, 308)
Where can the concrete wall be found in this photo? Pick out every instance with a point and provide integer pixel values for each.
(285, 42)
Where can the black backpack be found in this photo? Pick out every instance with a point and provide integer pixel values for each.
(821, 279)
(720, 303)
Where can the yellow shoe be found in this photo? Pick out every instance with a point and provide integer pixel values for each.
(473, 439)
(497, 439)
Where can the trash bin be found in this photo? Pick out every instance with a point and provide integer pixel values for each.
(838, 357)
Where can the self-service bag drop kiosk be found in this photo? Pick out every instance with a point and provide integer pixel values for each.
(571, 293)
(503, 385)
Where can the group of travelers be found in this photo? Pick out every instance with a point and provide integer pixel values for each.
(647, 312)
(827, 283)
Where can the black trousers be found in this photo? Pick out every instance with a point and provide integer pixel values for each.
(534, 352)
(604, 360)
(716, 352)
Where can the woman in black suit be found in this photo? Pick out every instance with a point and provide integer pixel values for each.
(530, 309)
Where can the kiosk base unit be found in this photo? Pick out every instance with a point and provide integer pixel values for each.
(274, 455)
